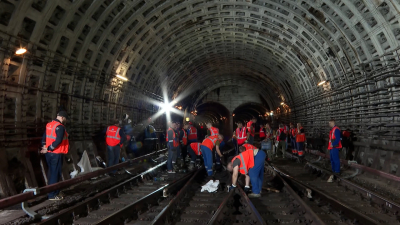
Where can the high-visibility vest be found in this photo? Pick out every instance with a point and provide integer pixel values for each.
(248, 125)
(332, 137)
(241, 135)
(51, 137)
(112, 136)
(196, 147)
(246, 161)
(301, 137)
(262, 133)
(174, 141)
(184, 138)
(192, 133)
(249, 147)
(279, 133)
(252, 131)
(214, 131)
(286, 129)
(293, 132)
(210, 142)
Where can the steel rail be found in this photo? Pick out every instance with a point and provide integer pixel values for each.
(142, 204)
(71, 213)
(257, 219)
(34, 192)
(346, 210)
(218, 215)
(312, 215)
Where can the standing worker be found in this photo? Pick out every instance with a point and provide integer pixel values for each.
(239, 136)
(262, 132)
(115, 138)
(300, 142)
(183, 141)
(55, 145)
(281, 139)
(173, 145)
(211, 131)
(251, 164)
(206, 150)
(192, 133)
(292, 134)
(248, 125)
(334, 146)
(251, 130)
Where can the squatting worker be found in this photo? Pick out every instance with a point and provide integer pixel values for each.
(194, 151)
(192, 133)
(281, 139)
(115, 138)
(206, 149)
(334, 146)
(55, 145)
(251, 164)
(173, 145)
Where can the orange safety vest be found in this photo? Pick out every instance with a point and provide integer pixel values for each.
(214, 131)
(112, 136)
(184, 138)
(248, 125)
(332, 137)
(249, 147)
(196, 147)
(301, 137)
(246, 161)
(279, 133)
(51, 137)
(193, 133)
(210, 142)
(175, 142)
(293, 132)
(241, 136)
(262, 133)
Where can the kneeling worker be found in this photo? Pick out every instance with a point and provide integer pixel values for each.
(251, 164)
(194, 151)
(206, 148)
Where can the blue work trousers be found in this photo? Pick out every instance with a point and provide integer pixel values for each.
(113, 156)
(300, 148)
(335, 160)
(192, 154)
(257, 172)
(172, 151)
(293, 143)
(251, 140)
(208, 159)
(54, 173)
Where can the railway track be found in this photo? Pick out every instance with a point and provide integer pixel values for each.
(340, 201)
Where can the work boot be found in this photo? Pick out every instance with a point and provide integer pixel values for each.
(252, 195)
(330, 180)
(247, 189)
(175, 166)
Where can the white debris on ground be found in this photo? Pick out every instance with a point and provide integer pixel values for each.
(211, 186)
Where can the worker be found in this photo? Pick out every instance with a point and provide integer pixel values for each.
(300, 142)
(286, 130)
(55, 145)
(206, 150)
(268, 138)
(211, 131)
(239, 136)
(194, 151)
(292, 134)
(334, 146)
(251, 164)
(281, 139)
(248, 125)
(183, 141)
(262, 132)
(192, 133)
(115, 138)
(173, 146)
(251, 130)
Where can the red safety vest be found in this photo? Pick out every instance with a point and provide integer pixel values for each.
(246, 161)
(252, 131)
(214, 131)
(196, 147)
(286, 129)
(249, 147)
(184, 138)
(332, 137)
(262, 133)
(301, 137)
(241, 136)
(293, 132)
(51, 137)
(210, 142)
(112, 136)
(279, 133)
(193, 133)
(248, 125)
(175, 142)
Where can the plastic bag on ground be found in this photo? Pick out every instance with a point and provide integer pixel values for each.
(211, 186)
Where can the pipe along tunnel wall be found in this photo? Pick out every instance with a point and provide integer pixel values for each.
(280, 50)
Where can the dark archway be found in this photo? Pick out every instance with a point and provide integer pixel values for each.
(246, 111)
(217, 114)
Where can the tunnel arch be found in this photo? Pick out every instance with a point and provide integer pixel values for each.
(246, 111)
(216, 113)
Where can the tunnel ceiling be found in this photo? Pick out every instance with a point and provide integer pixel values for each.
(281, 48)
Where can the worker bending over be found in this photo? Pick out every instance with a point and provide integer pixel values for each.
(334, 146)
(194, 151)
(211, 131)
(206, 148)
(251, 164)
(192, 133)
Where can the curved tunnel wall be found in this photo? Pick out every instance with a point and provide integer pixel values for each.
(281, 48)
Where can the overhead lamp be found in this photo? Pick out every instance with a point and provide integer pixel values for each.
(187, 119)
(272, 113)
(322, 82)
(233, 114)
(20, 51)
(122, 77)
(282, 103)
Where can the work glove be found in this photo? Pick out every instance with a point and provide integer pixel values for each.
(231, 187)
(246, 189)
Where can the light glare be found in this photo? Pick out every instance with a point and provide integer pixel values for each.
(20, 51)
(322, 82)
(122, 77)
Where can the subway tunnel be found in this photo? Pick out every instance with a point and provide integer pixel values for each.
(279, 61)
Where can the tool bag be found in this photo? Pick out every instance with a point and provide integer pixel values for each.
(266, 145)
